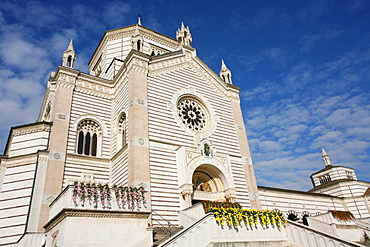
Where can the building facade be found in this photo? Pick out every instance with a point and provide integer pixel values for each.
(152, 115)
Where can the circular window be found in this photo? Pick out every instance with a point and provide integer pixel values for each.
(192, 113)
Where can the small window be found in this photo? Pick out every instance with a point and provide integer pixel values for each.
(349, 175)
(325, 179)
(69, 61)
(121, 131)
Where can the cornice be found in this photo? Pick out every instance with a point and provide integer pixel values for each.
(230, 91)
(19, 160)
(180, 59)
(338, 183)
(88, 159)
(85, 83)
(93, 213)
(169, 62)
(31, 129)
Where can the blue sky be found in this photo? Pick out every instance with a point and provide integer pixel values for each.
(303, 68)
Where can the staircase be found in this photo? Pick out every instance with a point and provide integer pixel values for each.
(163, 231)
(161, 234)
(201, 230)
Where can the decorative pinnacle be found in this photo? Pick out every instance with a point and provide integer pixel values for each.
(223, 65)
(70, 46)
(325, 157)
(138, 20)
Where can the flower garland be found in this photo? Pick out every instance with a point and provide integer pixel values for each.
(232, 215)
(132, 197)
(342, 215)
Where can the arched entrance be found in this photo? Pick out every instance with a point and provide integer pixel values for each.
(209, 183)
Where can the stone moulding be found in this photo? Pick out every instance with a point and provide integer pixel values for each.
(41, 127)
(93, 213)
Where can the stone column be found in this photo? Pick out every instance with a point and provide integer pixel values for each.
(246, 156)
(138, 127)
(187, 192)
(57, 145)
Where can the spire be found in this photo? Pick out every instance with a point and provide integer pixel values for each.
(225, 73)
(138, 20)
(223, 65)
(183, 35)
(325, 157)
(69, 56)
(70, 46)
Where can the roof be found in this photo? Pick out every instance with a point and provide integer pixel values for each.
(328, 168)
(113, 31)
(297, 192)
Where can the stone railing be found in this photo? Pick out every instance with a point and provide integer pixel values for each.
(71, 198)
(206, 231)
(191, 214)
(346, 229)
(304, 236)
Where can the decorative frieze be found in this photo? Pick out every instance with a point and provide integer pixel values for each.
(14, 162)
(31, 129)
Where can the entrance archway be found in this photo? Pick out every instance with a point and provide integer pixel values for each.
(208, 183)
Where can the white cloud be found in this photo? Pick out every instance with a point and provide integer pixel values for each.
(18, 53)
(287, 134)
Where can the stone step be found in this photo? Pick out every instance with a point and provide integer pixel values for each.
(160, 234)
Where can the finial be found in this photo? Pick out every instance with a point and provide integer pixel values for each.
(325, 157)
(223, 65)
(138, 20)
(70, 46)
(182, 25)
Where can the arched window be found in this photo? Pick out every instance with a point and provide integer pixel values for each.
(138, 45)
(88, 132)
(121, 131)
(292, 215)
(69, 61)
(305, 215)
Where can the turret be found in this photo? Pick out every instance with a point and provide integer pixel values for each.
(69, 56)
(183, 35)
(331, 173)
(137, 39)
(225, 73)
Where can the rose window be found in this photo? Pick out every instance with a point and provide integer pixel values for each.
(192, 114)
